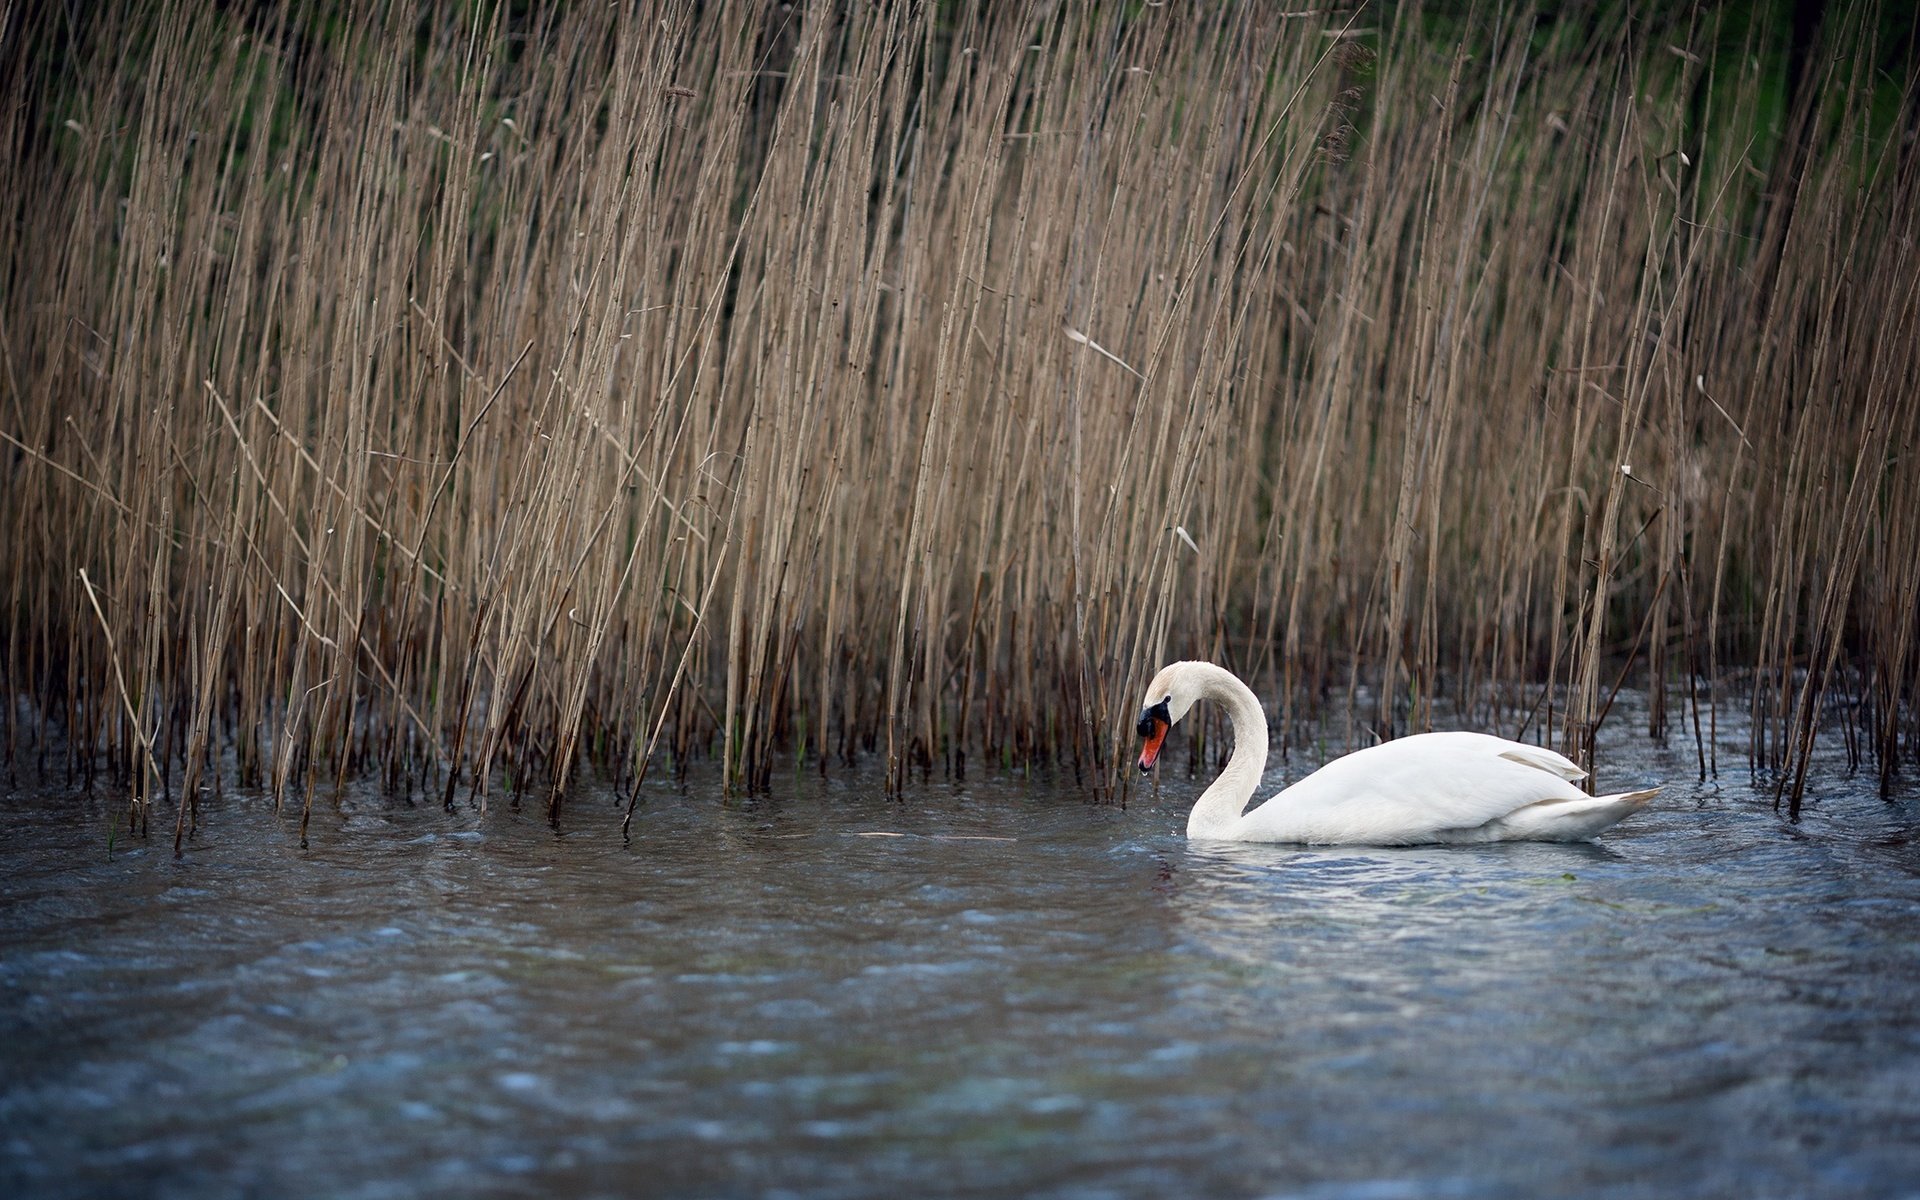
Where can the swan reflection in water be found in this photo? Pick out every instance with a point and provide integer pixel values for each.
(1338, 908)
(1372, 1004)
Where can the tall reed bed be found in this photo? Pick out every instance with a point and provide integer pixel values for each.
(470, 398)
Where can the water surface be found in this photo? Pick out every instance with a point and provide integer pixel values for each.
(1013, 993)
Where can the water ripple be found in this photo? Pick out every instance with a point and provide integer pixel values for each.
(1010, 992)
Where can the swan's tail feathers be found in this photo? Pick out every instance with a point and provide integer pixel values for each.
(1542, 759)
(1575, 820)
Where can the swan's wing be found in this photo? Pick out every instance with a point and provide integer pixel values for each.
(1415, 789)
(1574, 820)
(1542, 758)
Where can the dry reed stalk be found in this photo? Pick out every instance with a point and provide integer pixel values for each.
(476, 398)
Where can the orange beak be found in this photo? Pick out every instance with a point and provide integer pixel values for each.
(1151, 751)
(1155, 720)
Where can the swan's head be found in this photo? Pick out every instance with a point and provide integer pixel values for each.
(1169, 696)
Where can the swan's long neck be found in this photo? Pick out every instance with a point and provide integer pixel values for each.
(1219, 808)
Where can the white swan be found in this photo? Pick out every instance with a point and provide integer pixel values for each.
(1433, 787)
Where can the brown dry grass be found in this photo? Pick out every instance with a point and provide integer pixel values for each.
(468, 403)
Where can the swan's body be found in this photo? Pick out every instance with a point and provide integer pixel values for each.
(1433, 787)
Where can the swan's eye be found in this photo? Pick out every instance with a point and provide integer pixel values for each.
(1149, 716)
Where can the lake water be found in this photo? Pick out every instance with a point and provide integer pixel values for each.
(1013, 993)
